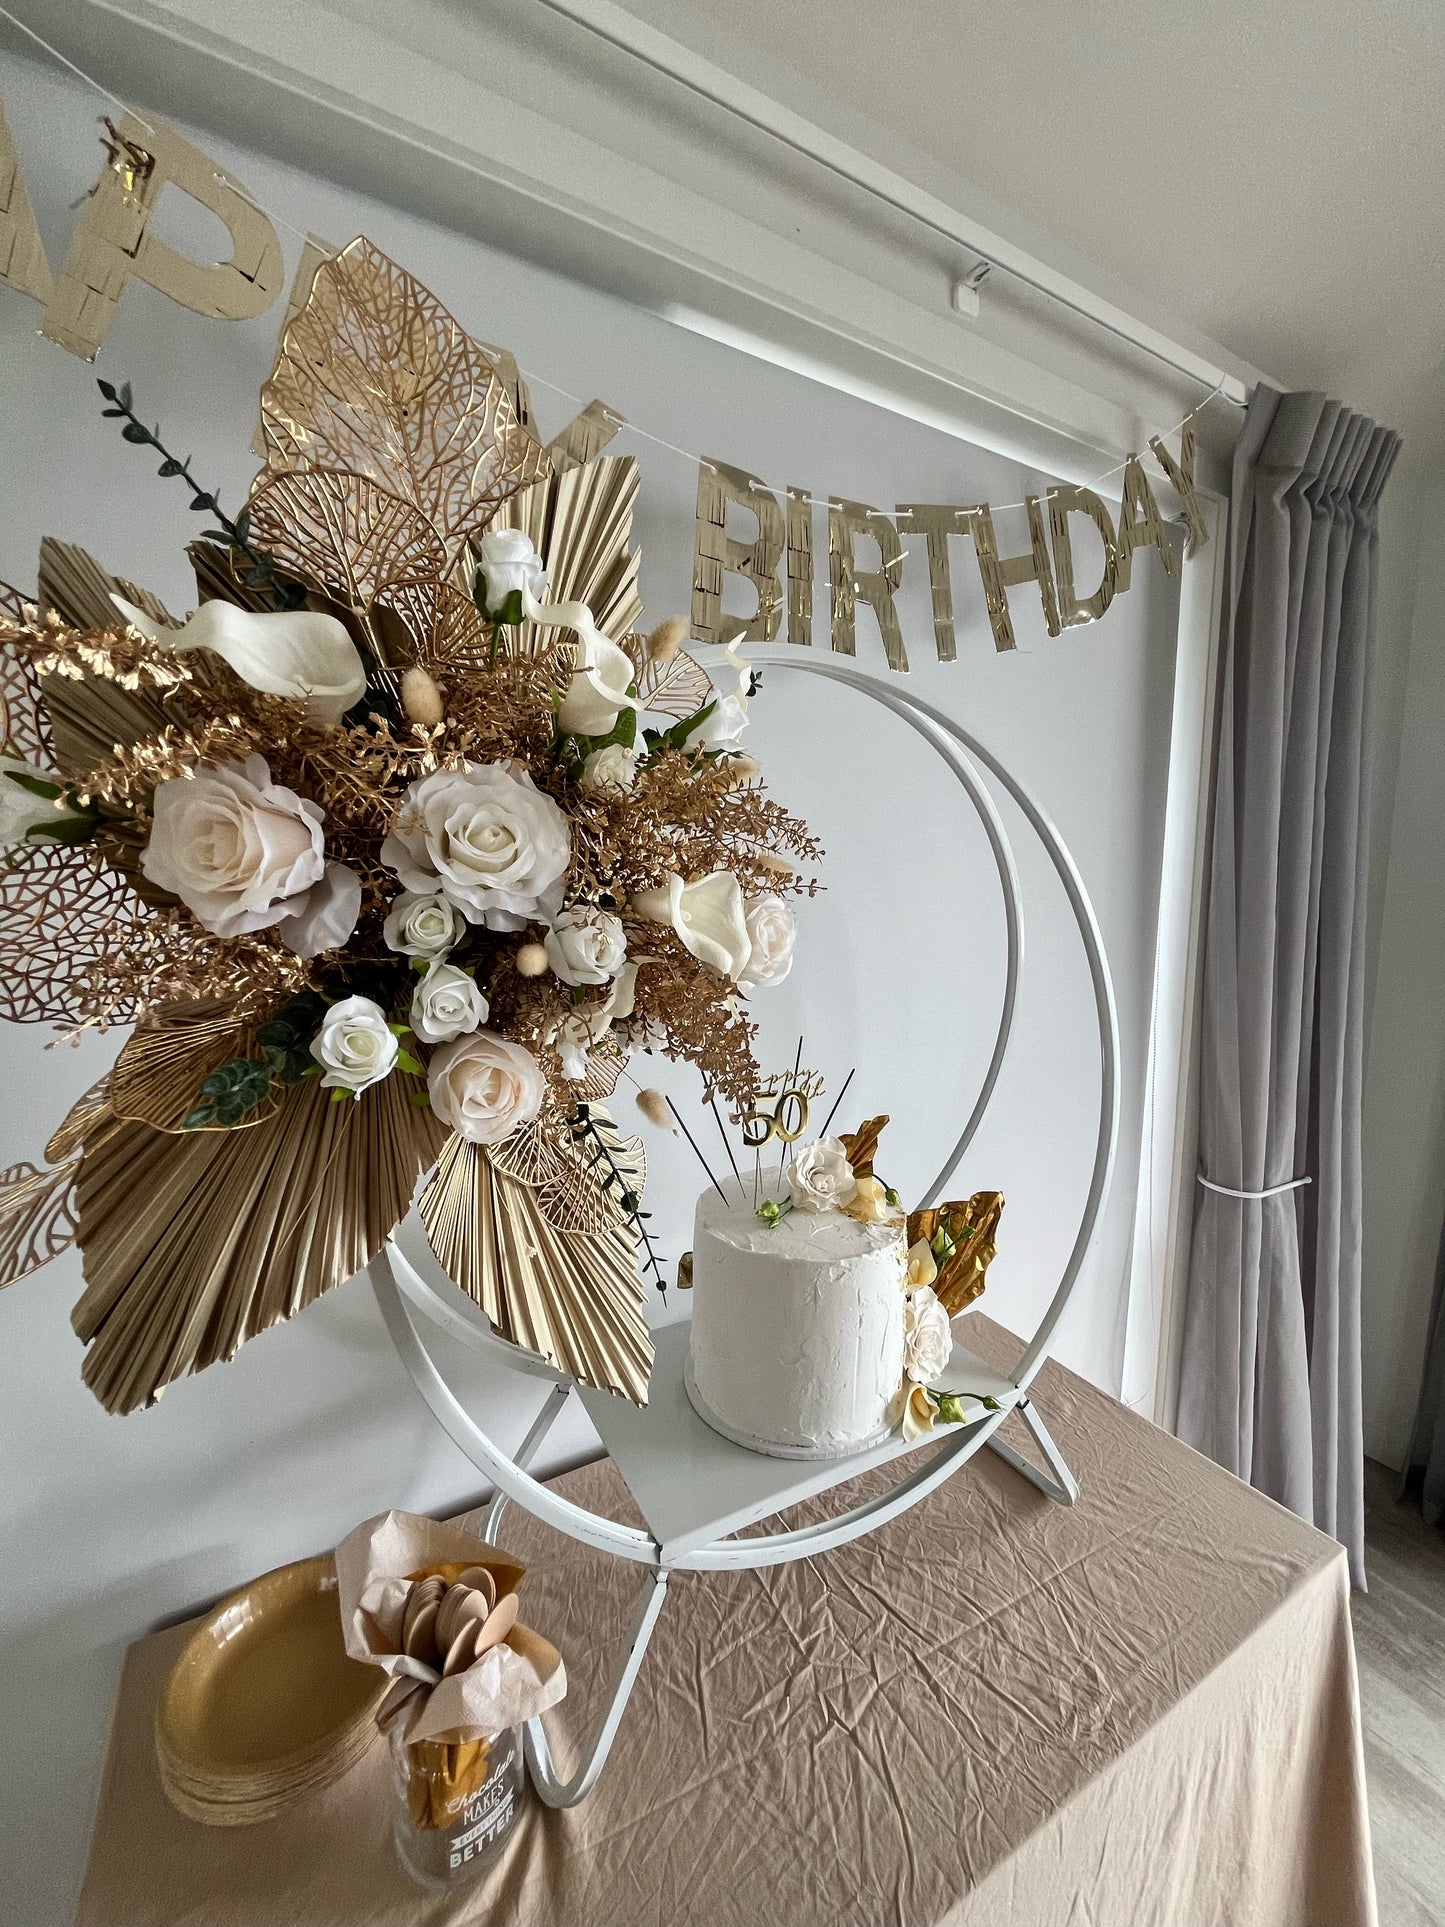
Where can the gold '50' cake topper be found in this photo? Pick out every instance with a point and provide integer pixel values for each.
(786, 1117)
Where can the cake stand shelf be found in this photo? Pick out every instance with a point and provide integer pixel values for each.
(696, 1491)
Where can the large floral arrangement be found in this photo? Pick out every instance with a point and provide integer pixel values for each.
(392, 852)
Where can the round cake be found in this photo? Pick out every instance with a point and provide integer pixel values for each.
(797, 1326)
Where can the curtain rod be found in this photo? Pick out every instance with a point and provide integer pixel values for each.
(712, 83)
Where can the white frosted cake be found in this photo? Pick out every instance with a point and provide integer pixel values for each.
(797, 1327)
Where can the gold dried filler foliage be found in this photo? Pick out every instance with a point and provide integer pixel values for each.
(391, 852)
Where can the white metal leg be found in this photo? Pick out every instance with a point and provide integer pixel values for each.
(558, 1793)
(526, 1452)
(1064, 1488)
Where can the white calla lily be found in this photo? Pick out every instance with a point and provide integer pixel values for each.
(597, 693)
(301, 654)
(708, 915)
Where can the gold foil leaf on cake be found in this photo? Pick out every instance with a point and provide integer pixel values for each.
(962, 1238)
(374, 378)
(861, 1145)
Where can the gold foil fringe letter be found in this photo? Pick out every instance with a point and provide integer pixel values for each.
(1001, 573)
(850, 584)
(1075, 609)
(113, 243)
(936, 522)
(23, 262)
(716, 554)
(800, 568)
(1140, 525)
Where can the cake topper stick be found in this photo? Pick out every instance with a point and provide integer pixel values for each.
(696, 1152)
(837, 1101)
(797, 1066)
(727, 1141)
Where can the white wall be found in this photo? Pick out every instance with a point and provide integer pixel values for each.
(1404, 1121)
(112, 1525)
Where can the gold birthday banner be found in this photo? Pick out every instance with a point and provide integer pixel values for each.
(113, 245)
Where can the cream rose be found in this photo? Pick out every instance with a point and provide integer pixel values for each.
(510, 565)
(423, 925)
(485, 837)
(927, 1336)
(722, 727)
(613, 767)
(585, 949)
(708, 916)
(297, 653)
(240, 851)
(484, 1086)
(355, 1046)
(446, 1004)
(772, 932)
(820, 1176)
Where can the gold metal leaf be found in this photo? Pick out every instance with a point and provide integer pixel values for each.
(376, 378)
(580, 523)
(193, 1244)
(37, 1218)
(679, 687)
(346, 534)
(85, 1116)
(59, 906)
(531, 1155)
(575, 1298)
(24, 725)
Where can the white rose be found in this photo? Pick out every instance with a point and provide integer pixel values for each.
(297, 653)
(723, 727)
(707, 915)
(820, 1176)
(613, 767)
(509, 563)
(423, 925)
(772, 932)
(487, 838)
(327, 915)
(22, 809)
(586, 949)
(446, 1003)
(240, 851)
(927, 1336)
(484, 1086)
(355, 1046)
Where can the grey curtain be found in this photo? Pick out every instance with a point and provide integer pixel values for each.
(1425, 1463)
(1270, 1383)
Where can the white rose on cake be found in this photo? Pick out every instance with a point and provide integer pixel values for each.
(355, 1046)
(820, 1177)
(486, 838)
(586, 949)
(927, 1336)
(243, 853)
(772, 932)
(446, 1004)
(485, 1086)
(423, 925)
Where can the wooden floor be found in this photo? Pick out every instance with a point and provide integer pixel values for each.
(1400, 1643)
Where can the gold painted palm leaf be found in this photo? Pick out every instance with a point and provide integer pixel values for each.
(580, 523)
(193, 1244)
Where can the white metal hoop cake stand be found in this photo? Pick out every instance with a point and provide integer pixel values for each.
(696, 1490)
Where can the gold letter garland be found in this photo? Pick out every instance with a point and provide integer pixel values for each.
(847, 521)
(1000, 573)
(1181, 474)
(936, 521)
(800, 567)
(717, 554)
(23, 262)
(112, 244)
(1075, 609)
(1140, 525)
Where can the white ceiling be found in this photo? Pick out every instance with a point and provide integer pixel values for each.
(1273, 175)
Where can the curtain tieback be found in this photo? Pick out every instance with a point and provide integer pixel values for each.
(1228, 1191)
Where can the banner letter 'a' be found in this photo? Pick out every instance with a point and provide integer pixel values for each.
(113, 243)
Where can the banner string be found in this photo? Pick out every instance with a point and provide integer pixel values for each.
(628, 427)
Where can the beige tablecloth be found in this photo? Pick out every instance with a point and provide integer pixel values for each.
(1140, 1712)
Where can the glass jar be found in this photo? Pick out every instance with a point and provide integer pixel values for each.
(457, 1803)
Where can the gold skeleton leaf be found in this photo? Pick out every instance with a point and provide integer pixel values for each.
(374, 377)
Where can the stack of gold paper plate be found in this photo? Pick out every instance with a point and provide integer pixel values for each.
(264, 1704)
